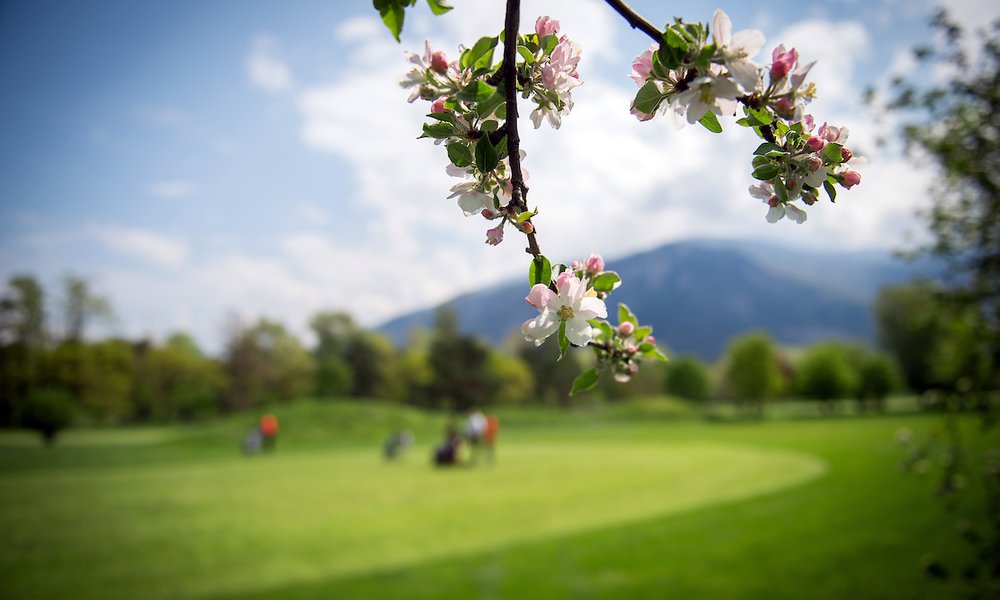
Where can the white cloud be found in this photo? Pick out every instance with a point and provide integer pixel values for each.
(603, 183)
(265, 69)
(142, 244)
(172, 188)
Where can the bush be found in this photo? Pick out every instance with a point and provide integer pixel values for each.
(48, 411)
(825, 374)
(687, 377)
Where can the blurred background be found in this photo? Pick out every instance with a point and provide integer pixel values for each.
(215, 212)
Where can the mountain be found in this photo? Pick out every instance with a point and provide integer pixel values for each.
(698, 295)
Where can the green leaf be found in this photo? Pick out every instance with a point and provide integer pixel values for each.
(605, 282)
(624, 314)
(833, 153)
(676, 39)
(438, 131)
(445, 116)
(471, 56)
(477, 91)
(526, 54)
(767, 147)
(460, 154)
(655, 354)
(540, 271)
(762, 116)
(648, 98)
(603, 326)
(439, 7)
(489, 126)
(765, 172)
(641, 332)
(563, 340)
(711, 122)
(831, 191)
(585, 381)
(521, 218)
(486, 155)
(392, 15)
(489, 105)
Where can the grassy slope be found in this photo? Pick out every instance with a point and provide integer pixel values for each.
(857, 531)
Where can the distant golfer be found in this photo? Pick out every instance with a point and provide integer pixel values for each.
(490, 437)
(269, 431)
(475, 427)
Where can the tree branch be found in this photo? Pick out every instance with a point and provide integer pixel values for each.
(635, 20)
(519, 191)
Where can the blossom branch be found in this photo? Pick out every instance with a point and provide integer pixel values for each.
(519, 191)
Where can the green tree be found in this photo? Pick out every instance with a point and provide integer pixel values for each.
(687, 377)
(81, 306)
(909, 322)
(176, 381)
(48, 411)
(265, 364)
(752, 373)
(333, 331)
(953, 121)
(22, 340)
(826, 374)
(459, 364)
(878, 376)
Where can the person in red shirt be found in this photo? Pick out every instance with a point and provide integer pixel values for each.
(269, 431)
(490, 437)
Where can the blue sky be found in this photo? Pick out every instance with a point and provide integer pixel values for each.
(202, 159)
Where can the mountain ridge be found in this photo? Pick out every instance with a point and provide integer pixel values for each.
(699, 294)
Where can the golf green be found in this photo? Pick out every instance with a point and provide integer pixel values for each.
(227, 524)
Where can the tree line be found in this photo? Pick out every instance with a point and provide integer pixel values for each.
(51, 376)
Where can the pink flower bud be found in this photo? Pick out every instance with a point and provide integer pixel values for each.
(546, 25)
(488, 214)
(494, 236)
(439, 62)
(808, 122)
(641, 115)
(809, 198)
(576, 265)
(594, 264)
(815, 143)
(539, 296)
(846, 154)
(784, 106)
(561, 280)
(850, 179)
(773, 201)
(651, 339)
(631, 348)
(526, 227)
(783, 62)
(814, 162)
(438, 105)
(626, 328)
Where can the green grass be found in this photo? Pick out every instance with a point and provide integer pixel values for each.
(606, 502)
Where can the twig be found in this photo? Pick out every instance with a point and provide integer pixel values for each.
(519, 191)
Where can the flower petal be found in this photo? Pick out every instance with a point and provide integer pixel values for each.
(592, 308)
(775, 213)
(578, 331)
(722, 28)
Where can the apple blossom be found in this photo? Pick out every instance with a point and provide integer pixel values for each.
(594, 264)
(736, 50)
(626, 328)
(708, 94)
(495, 235)
(546, 25)
(783, 62)
(849, 179)
(570, 307)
